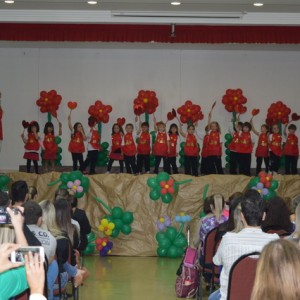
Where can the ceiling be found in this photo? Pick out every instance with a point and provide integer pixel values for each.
(152, 11)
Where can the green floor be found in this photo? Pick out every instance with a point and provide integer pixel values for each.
(134, 278)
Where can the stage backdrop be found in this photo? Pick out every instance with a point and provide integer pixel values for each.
(115, 74)
(132, 194)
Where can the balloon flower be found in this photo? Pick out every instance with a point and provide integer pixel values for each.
(100, 111)
(264, 184)
(163, 186)
(74, 182)
(163, 223)
(4, 181)
(146, 102)
(104, 246)
(172, 243)
(106, 227)
(234, 101)
(90, 248)
(190, 113)
(278, 112)
(121, 219)
(49, 102)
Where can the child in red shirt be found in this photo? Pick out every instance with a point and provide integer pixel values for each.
(173, 148)
(129, 150)
(275, 149)
(143, 148)
(160, 147)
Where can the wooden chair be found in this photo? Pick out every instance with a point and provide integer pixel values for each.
(242, 276)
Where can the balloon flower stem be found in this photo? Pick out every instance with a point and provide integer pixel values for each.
(100, 127)
(180, 230)
(104, 204)
(49, 117)
(182, 182)
(54, 182)
(147, 117)
(205, 191)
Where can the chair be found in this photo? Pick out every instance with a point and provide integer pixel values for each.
(23, 296)
(207, 266)
(242, 276)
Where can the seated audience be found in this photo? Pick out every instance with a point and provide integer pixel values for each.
(227, 203)
(234, 245)
(277, 272)
(277, 216)
(295, 236)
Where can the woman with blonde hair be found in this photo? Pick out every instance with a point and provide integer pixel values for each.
(277, 272)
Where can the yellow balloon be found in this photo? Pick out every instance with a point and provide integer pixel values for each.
(104, 222)
(111, 226)
(101, 227)
(162, 220)
(104, 244)
(109, 252)
(108, 232)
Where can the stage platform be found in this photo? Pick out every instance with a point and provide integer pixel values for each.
(132, 194)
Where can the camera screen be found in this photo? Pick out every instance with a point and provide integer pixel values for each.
(20, 253)
(3, 218)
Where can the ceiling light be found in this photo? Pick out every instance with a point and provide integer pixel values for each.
(175, 3)
(92, 2)
(9, 1)
(258, 4)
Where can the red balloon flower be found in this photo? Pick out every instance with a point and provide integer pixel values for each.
(234, 100)
(278, 112)
(167, 186)
(49, 102)
(190, 112)
(146, 102)
(100, 111)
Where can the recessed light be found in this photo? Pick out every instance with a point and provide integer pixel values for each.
(175, 3)
(258, 4)
(92, 2)
(9, 1)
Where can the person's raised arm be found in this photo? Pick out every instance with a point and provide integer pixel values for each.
(70, 122)
(5, 251)
(183, 134)
(59, 128)
(138, 127)
(17, 220)
(253, 128)
(285, 130)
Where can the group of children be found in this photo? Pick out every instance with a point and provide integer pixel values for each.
(135, 150)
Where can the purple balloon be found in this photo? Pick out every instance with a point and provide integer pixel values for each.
(260, 186)
(265, 191)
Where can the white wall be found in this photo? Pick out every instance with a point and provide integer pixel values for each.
(116, 75)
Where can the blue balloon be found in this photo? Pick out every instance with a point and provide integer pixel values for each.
(265, 191)
(260, 186)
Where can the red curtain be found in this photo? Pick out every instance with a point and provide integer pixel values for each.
(148, 33)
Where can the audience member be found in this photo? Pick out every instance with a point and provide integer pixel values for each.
(234, 245)
(277, 216)
(277, 272)
(227, 203)
(295, 236)
(80, 216)
(295, 202)
(19, 193)
(32, 193)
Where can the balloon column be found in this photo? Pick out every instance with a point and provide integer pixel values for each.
(172, 243)
(104, 246)
(228, 139)
(101, 113)
(118, 221)
(190, 113)
(278, 113)
(4, 181)
(265, 185)
(74, 182)
(90, 248)
(163, 186)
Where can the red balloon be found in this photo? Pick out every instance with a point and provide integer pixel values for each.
(162, 183)
(164, 191)
(72, 105)
(170, 116)
(183, 119)
(170, 182)
(171, 190)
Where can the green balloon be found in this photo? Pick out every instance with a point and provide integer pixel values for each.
(227, 158)
(154, 195)
(228, 137)
(127, 217)
(110, 219)
(57, 140)
(102, 155)
(115, 232)
(102, 163)
(90, 249)
(91, 237)
(270, 195)
(274, 184)
(163, 176)
(227, 152)
(180, 242)
(152, 182)
(117, 212)
(160, 236)
(227, 165)
(152, 161)
(105, 145)
(182, 145)
(126, 229)
(181, 161)
(172, 252)
(254, 181)
(167, 198)
(58, 157)
(59, 150)
(181, 153)
(62, 186)
(171, 233)
(162, 252)
(180, 251)
(64, 177)
(85, 182)
(227, 144)
(4, 180)
(118, 223)
(79, 195)
(164, 243)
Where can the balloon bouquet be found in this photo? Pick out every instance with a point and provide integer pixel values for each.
(171, 242)
(163, 186)
(264, 184)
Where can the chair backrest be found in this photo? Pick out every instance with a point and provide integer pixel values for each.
(209, 246)
(242, 276)
(23, 296)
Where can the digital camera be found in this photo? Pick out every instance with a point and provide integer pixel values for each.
(4, 215)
